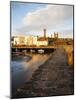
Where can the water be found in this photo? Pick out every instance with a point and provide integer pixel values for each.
(23, 67)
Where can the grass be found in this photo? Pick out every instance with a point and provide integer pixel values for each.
(69, 52)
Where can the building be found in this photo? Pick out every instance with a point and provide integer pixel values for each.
(16, 40)
(19, 40)
(30, 40)
(42, 41)
(24, 40)
(26, 37)
(56, 35)
(35, 40)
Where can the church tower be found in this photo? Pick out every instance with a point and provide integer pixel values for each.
(44, 33)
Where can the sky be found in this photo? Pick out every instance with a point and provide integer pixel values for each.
(32, 18)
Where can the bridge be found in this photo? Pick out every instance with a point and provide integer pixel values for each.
(33, 48)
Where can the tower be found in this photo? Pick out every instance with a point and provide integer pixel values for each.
(44, 33)
(56, 35)
(51, 36)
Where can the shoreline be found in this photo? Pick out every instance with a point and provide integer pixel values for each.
(17, 57)
(31, 64)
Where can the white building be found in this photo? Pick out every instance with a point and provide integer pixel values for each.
(35, 40)
(30, 41)
(42, 42)
(19, 40)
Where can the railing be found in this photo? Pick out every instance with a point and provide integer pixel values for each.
(33, 46)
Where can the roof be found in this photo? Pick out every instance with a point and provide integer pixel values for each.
(42, 39)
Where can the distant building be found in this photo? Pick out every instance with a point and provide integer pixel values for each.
(16, 40)
(42, 41)
(30, 40)
(35, 40)
(26, 37)
(24, 40)
(56, 35)
(19, 40)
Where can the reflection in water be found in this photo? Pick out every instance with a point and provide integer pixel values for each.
(22, 69)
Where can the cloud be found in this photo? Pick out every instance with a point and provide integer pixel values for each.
(50, 17)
